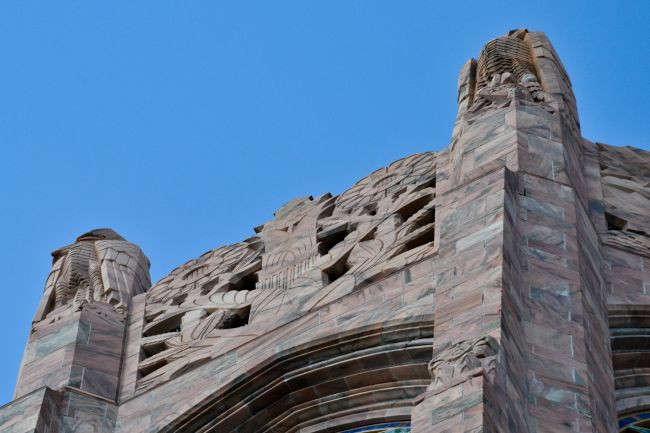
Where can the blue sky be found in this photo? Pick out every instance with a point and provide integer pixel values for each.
(183, 125)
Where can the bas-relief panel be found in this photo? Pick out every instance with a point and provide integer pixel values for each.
(314, 251)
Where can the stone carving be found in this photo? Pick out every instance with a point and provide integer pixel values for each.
(521, 216)
(505, 68)
(101, 266)
(314, 251)
(388, 220)
(625, 176)
(463, 360)
(506, 55)
(195, 302)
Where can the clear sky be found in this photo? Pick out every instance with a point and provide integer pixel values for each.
(184, 124)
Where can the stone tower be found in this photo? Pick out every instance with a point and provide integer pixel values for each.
(499, 285)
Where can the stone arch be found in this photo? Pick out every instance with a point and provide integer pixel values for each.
(332, 385)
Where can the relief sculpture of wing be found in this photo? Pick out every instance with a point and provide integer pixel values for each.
(124, 272)
(100, 266)
(197, 309)
(314, 251)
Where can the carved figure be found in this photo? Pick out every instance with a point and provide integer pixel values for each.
(506, 54)
(80, 278)
(504, 67)
(459, 361)
(99, 266)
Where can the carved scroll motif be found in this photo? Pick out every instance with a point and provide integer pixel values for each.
(464, 360)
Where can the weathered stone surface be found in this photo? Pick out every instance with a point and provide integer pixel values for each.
(469, 290)
(77, 336)
(314, 252)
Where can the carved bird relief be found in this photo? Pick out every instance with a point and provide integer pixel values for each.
(99, 266)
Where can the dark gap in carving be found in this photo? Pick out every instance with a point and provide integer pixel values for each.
(413, 207)
(237, 318)
(148, 369)
(614, 222)
(370, 209)
(151, 349)
(369, 236)
(427, 236)
(209, 286)
(427, 216)
(327, 211)
(331, 237)
(179, 299)
(338, 269)
(170, 324)
(430, 183)
(245, 282)
(398, 191)
(151, 317)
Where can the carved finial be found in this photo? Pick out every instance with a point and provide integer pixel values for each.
(504, 69)
(99, 266)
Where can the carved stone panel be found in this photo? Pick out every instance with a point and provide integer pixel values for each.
(463, 360)
(314, 251)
